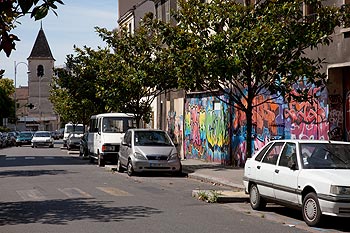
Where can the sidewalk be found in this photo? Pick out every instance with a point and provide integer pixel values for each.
(217, 174)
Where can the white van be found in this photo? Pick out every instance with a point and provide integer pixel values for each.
(105, 133)
(69, 128)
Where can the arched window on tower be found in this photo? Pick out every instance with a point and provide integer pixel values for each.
(40, 71)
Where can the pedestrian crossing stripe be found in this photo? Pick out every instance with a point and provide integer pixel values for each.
(32, 194)
(114, 191)
(36, 195)
(75, 193)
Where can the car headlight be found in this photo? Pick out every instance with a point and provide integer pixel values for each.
(139, 156)
(173, 157)
(340, 190)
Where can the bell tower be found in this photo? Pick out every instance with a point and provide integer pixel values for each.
(41, 65)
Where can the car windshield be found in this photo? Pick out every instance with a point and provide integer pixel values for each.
(113, 125)
(151, 138)
(43, 134)
(26, 134)
(325, 156)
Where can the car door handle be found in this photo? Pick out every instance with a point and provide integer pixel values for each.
(277, 171)
(258, 167)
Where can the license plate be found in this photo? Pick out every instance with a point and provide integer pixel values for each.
(155, 165)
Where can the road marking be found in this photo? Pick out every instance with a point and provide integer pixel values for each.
(10, 158)
(114, 191)
(29, 157)
(30, 195)
(75, 193)
(49, 157)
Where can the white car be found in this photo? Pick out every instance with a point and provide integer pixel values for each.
(312, 175)
(42, 138)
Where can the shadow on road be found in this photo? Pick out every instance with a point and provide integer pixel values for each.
(327, 223)
(27, 173)
(62, 212)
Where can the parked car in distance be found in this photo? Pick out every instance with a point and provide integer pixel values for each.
(83, 146)
(311, 175)
(24, 138)
(73, 140)
(42, 138)
(55, 135)
(148, 150)
(12, 137)
(70, 128)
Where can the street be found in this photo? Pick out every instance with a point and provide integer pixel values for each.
(51, 190)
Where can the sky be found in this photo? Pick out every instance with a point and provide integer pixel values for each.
(74, 25)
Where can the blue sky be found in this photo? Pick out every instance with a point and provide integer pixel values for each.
(74, 25)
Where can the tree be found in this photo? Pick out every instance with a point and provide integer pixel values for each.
(245, 51)
(10, 13)
(7, 104)
(74, 89)
(139, 69)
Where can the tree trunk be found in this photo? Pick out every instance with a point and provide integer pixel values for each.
(249, 116)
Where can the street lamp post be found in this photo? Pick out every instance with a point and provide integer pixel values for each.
(15, 65)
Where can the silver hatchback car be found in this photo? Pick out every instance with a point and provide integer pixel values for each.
(148, 150)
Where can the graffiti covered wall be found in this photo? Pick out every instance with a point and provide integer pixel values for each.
(206, 131)
(206, 126)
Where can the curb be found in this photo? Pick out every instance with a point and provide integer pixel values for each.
(223, 196)
(210, 179)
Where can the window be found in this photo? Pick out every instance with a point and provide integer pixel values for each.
(288, 156)
(309, 12)
(167, 11)
(40, 71)
(262, 153)
(346, 25)
(272, 156)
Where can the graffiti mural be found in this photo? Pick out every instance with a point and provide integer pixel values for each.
(206, 133)
(175, 124)
(206, 128)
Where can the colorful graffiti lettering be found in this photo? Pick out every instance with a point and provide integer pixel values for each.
(206, 129)
(206, 133)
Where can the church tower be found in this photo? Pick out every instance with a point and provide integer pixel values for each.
(41, 65)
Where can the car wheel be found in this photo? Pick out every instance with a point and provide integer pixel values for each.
(256, 201)
(119, 166)
(311, 210)
(100, 161)
(130, 169)
(91, 159)
(51, 146)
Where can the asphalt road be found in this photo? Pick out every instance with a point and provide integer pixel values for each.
(46, 190)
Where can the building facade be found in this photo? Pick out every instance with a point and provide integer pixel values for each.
(208, 129)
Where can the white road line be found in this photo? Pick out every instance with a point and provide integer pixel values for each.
(75, 193)
(31, 157)
(30, 195)
(114, 191)
(10, 158)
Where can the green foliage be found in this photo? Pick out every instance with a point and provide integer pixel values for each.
(139, 69)
(12, 10)
(250, 51)
(7, 104)
(126, 76)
